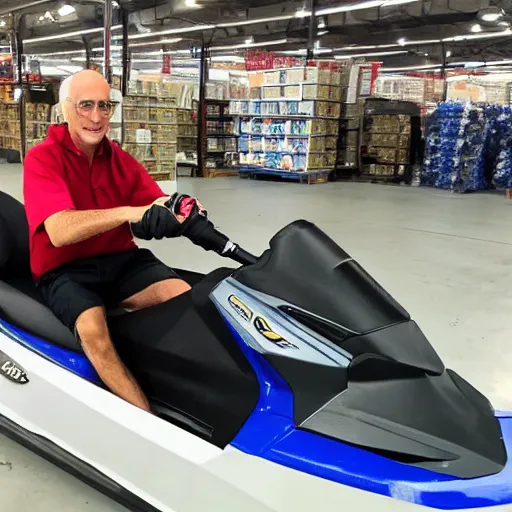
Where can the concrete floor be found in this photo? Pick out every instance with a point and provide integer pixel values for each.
(446, 258)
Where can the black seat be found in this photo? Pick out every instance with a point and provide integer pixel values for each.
(20, 301)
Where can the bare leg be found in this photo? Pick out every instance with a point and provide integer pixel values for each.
(156, 294)
(99, 349)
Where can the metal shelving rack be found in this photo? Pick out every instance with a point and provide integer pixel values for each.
(290, 124)
(153, 118)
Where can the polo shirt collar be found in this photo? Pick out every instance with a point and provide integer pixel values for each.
(59, 133)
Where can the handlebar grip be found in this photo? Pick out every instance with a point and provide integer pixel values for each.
(242, 256)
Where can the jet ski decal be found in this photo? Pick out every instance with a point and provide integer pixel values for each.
(11, 370)
(240, 308)
(266, 331)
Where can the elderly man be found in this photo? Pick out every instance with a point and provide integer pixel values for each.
(81, 194)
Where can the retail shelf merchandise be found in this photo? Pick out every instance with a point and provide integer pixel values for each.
(290, 121)
(10, 124)
(156, 117)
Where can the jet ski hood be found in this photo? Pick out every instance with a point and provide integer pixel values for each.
(387, 391)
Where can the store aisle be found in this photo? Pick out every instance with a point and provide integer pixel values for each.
(446, 258)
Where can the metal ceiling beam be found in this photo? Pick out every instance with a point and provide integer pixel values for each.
(22, 7)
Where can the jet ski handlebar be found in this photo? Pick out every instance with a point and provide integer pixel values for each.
(201, 231)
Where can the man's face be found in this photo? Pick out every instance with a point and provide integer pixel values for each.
(89, 114)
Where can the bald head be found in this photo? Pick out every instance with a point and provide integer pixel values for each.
(85, 81)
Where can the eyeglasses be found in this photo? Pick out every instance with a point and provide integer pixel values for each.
(85, 108)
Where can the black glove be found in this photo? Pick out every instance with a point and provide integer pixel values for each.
(200, 231)
(174, 204)
(158, 222)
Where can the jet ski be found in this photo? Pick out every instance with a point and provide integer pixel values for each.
(293, 382)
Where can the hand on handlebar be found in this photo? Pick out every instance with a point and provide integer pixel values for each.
(157, 222)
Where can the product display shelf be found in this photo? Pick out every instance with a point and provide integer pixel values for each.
(37, 121)
(387, 150)
(221, 139)
(349, 141)
(290, 122)
(153, 115)
(10, 125)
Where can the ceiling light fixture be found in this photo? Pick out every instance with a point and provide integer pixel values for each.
(321, 23)
(100, 48)
(255, 21)
(488, 35)
(2, 23)
(322, 33)
(476, 28)
(397, 2)
(66, 10)
(402, 41)
(371, 54)
(448, 54)
(181, 30)
(67, 52)
(249, 40)
(492, 17)
(412, 68)
(191, 3)
(251, 45)
(67, 35)
(302, 13)
(491, 14)
(370, 4)
(154, 43)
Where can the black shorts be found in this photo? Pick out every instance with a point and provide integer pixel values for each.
(105, 281)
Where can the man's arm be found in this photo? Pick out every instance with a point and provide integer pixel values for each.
(73, 226)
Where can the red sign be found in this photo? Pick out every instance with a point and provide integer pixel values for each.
(166, 65)
(257, 60)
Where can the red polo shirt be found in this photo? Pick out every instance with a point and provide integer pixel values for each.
(57, 177)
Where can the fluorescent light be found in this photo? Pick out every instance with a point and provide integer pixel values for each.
(160, 52)
(372, 54)
(397, 2)
(67, 52)
(470, 37)
(180, 30)
(227, 58)
(67, 35)
(100, 48)
(154, 43)
(413, 68)
(499, 63)
(476, 28)
(251, 45)
(284, 17)
(322, 33)
(302, 13)
(66, 10)
(369, 4)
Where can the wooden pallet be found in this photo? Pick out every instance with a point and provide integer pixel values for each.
(309, 177)
(220, 173)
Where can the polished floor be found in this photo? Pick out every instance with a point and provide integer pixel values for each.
(447, 258)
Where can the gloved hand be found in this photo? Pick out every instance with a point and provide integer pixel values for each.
(183, 205)
(158, 222)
